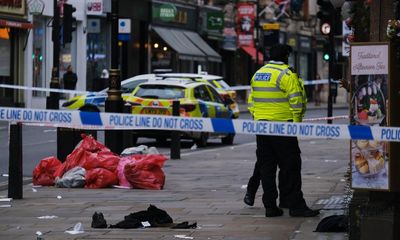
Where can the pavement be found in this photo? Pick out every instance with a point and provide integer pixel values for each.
(204, 186)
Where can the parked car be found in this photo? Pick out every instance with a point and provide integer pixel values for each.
(197, 99)
(217, 82)
(94, 101)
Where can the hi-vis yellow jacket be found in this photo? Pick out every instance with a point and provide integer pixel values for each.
(277, 94)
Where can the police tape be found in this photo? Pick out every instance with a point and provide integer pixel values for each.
(326, 118)
(306, 82)
(104, 121)
(42, 89)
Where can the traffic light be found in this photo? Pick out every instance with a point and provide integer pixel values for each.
(69, 23)
(325, 15)
(326, 55)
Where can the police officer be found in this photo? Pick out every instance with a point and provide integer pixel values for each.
(277, 94)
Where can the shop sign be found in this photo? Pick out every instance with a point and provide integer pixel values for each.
(292, 42)
(370, 159)
(215, 21)
(124, 25)
(166, 12)
(271, 26)
(229, 39)
(36, 7)
(13, 7)
(15, 24)
(93, 25)
(304, 44)
(245, 24)
(369, 59)
(94, 7)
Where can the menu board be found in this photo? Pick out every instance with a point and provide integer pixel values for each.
(369, 100)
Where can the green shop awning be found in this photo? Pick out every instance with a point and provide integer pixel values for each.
(189, 45)
(212, 55)
(178, 41)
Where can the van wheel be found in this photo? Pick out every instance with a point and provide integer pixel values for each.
(228, 140)
(202, 141)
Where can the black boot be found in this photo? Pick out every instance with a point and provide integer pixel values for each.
(98, 220)
(249, 199)
(303, 212)
(273, 212)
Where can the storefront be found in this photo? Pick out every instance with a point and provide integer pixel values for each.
(173, 41)
(39, 51)
(291, 40)
(98, 43)
(211, 21)
(304, 62)
(13, 33)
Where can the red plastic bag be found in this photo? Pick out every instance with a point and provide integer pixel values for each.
(100, 178)
(145, 171)
(43, 174)
(120, 171)
(102, 159)
(89, 154)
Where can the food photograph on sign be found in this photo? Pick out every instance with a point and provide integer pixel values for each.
(369, 158)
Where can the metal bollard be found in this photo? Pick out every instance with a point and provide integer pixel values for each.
(15, 161)
(175, 135)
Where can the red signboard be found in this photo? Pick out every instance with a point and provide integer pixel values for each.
(245, 24)
(14, 24)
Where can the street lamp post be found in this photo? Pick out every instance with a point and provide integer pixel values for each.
(52, 101)
(114, 102)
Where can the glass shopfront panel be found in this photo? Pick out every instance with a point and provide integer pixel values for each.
(38, 56)
(5, 59)
(68, 58)
(97, 52)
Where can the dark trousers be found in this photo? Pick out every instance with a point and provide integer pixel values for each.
(282, 152)
(254, 181)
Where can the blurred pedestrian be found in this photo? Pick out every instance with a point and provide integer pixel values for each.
(103, 80)
(70, 79)
(277, 94)
(317, 91)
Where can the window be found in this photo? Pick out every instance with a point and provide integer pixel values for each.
(97, 50)
(201, 92)
(38, 56)
(5, 59)
(129, 87)
(160, 92)
(216, 96)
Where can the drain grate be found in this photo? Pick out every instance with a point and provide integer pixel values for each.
(334, 202)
